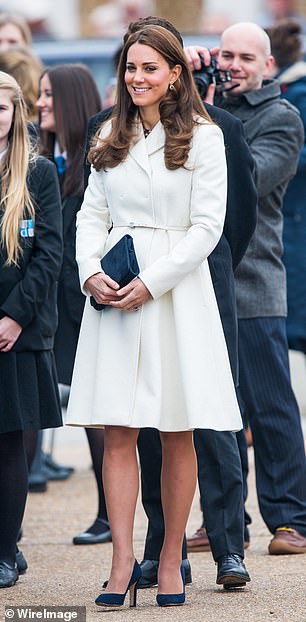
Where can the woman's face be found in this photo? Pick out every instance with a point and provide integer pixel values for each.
(148, 75)
(45, 105)
(6, 116)
(10, 35)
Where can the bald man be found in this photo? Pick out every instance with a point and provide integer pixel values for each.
(274, 133)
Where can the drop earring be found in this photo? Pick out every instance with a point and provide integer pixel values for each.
(171, 87)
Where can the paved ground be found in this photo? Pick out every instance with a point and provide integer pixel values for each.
(62, 574)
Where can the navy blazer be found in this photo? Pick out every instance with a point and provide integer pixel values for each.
(240, 220)
(28, 292)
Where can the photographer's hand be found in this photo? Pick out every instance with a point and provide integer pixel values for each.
(210, 95)
(194, 53)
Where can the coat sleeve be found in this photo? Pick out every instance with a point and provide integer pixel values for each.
(299, 100)
(276, 150)
(241, 209)
(42, 271)
(207, 213)
(93, 224)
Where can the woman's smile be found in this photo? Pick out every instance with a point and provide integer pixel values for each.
(147, 76)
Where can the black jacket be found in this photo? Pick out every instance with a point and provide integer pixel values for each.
(28, 292)
(69, 292)
(240, 221)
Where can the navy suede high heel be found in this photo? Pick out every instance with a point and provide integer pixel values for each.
(108, 599)
(171, 600)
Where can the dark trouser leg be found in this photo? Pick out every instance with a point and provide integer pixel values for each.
(33, 447)
(32, 444)
(275, 422)
(243, 451)
(13, 492)
(96, 445)
(220, 482)
(150, 456)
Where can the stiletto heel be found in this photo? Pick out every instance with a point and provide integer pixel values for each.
(108, 599)
(172, 600)
(133, 594)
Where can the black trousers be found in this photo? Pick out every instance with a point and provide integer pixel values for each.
(270, 408)
(220, 481)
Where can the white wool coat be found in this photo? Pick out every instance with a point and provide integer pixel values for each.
(166, 365)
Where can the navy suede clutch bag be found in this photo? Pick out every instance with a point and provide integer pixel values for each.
(120, 263)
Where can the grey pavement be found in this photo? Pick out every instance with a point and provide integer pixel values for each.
(63, 574)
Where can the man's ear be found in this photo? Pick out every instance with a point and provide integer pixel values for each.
(271, 68)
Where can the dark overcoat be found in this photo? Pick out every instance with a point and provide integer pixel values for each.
(70, 299)
(293, 86)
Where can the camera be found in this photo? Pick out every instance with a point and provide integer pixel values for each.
(211, 74)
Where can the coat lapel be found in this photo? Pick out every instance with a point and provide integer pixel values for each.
(144, 147)
(156, 139)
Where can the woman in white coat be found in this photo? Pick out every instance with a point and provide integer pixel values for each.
(156, 355)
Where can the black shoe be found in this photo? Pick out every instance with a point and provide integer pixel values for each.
(87, 537)
(51, 464)
(149, 569)
(232, 572)
(21, 562)
(56, 475)
(8, 574)
(37, 484)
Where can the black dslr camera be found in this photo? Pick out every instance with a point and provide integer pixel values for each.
(211, 74)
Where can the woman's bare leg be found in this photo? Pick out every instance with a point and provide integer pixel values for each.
(121, 484)
(178, 482)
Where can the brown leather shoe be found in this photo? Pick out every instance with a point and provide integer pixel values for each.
(287, 541)
(199, 543)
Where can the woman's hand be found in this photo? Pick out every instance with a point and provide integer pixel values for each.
(132, 296)
(102, 288)
(9, 333)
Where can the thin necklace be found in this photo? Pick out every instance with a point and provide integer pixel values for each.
(147, 130)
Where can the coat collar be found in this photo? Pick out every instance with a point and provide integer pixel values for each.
(292, 73)
(243, 104)
(269, 90)
(144, 147)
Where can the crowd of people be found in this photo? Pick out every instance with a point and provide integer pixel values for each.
(182, 358)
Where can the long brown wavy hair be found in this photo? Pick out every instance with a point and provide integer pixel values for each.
(15, 200)
(178, 108)
(75, 99)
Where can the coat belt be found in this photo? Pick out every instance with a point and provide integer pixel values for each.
(134, 225)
